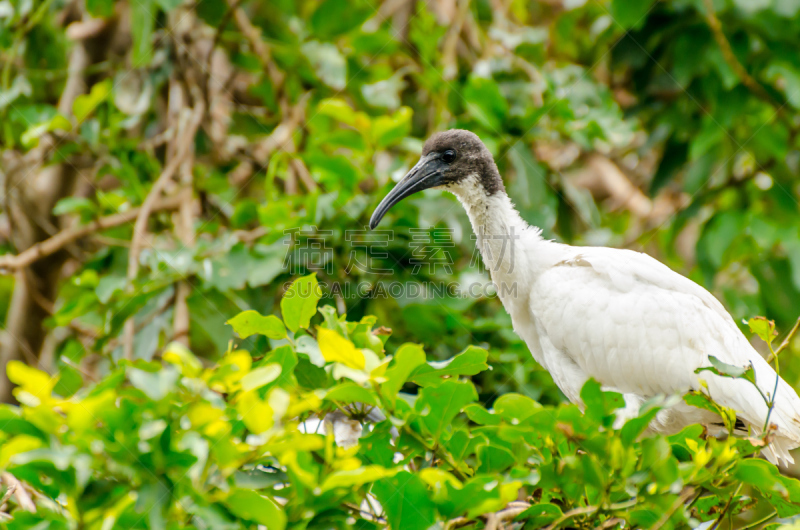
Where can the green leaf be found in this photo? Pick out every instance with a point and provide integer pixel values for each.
(143, 19)
(634, 427)
(407, 358)
(389, 130)
(405, 499)
(540, 515)
(334, 17)
(168, 5)
(350, 392)
(286, 358)
(701, 401)
(250, 322)
(765, 329)
(782, 492)
(481, 494)
(787, 79)
(439, 405)
(328, 63)
(251, 506)
(724, 369)
(486, 103)
(85, 104)
(156, 385)
(30, 137)
(600, 404)
(469, 362)
(630, 14)
(74, 205)
(494, 459)
(260, 376)
(180, 356)
(356, 477)
(514, 407)
(100, 8)
(339, 110)
(211, 11)
(299, 302)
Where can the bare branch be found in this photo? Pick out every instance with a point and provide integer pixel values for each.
(184, 227)
(10, 262)
(786, 341)
(23, 499)
(685, 495)
(570, 514)
(257, 44)
(727, 52)
(183, 150)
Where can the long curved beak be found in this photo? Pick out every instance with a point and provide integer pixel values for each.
(426, 174)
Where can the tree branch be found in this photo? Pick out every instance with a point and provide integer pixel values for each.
(12, 262)
(570, 514)
(183, 150)
(727, 52)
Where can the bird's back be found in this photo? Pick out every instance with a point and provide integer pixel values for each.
(642, 329)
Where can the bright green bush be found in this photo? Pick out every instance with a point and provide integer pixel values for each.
(308, 109)
(179, 443)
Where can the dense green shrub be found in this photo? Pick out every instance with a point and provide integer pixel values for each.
(180, 444)
(669, 127)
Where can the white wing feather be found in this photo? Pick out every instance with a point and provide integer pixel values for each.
(635, 325)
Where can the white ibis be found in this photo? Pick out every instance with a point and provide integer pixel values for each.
(618, 316)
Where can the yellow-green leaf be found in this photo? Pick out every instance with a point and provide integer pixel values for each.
(85, 104)
(256, 413)
(261, 376)
(356, 477)
(337, 349)
(249, 323)
(179, 355)
(762, 327)
(249, 505)
(299, 303)
(350, 393)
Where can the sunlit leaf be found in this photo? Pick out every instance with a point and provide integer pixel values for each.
(250, 322)
(336, 348)
(299, 302)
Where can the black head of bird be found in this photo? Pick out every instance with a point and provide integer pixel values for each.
(448, 160)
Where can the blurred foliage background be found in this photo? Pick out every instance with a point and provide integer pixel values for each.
(168, 164)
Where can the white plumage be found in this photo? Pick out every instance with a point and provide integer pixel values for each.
(618, 316)
(624, 319)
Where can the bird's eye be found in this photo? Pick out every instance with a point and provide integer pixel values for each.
(449, 156)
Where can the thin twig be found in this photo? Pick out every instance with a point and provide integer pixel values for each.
(140, 228)
(185, 229)
(756, 524)
(610, 522)
(786, 341)
(727, 506)
(772, 402)
(233, 6)
(355, 508)
(257, 45)
(494, 520)
(570, 514)
(683, 497)
(23, 499)
(303, 173)
(12, 262)
(730, 58)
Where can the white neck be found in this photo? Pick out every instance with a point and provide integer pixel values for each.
(502, 235)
